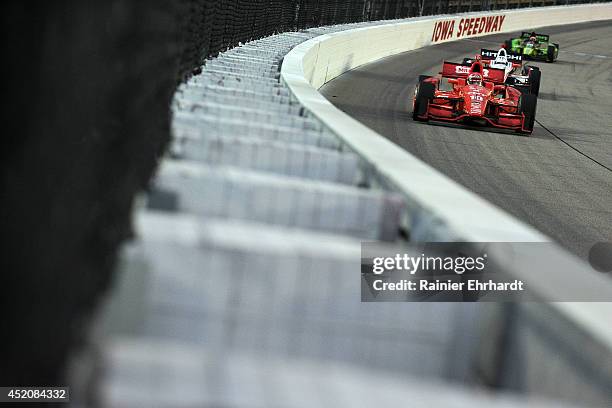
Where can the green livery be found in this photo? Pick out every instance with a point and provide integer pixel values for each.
(534, 46)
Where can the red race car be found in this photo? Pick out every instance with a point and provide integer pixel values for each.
(476, 96)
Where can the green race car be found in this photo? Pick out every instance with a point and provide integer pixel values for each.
(533, 46)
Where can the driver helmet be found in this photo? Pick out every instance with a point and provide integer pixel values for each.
(501, 60)
(474, 79)
(533, 37)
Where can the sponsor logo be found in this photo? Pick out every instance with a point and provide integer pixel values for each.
(463, 69)
(476, 105)
(463, 27)
(490, 54)
(476, 101)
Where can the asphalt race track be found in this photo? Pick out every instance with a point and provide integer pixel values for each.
(559, 179)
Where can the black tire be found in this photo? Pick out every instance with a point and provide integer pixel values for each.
(508, 45)
(424, 93)
(528, 68)
(527, 106)
(534, 81)
(550, 53)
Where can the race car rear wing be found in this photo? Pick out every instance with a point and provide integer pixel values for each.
(455, 70)
(539, 37)
(491, 55)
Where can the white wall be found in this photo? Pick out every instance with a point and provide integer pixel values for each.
(337, 53)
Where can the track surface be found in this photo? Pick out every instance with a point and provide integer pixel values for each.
(559, 179)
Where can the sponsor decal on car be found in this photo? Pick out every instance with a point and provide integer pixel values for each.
(445, 30)
(463, 69)
(491, 55)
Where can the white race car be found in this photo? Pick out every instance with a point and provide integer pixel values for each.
(525, 78)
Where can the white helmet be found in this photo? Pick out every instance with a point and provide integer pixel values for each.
(501, 60)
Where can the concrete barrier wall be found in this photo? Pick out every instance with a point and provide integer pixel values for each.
(330, 56)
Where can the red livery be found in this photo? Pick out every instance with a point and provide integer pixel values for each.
(477, 95)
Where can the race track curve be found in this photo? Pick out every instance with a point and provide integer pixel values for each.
(559, 179)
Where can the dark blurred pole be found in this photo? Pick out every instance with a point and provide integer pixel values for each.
(87, 119)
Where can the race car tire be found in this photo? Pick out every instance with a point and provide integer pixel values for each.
(528, 68)
(550, 53)
(425, 92)
(527, 106)
(508, 45)
(534, 81)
